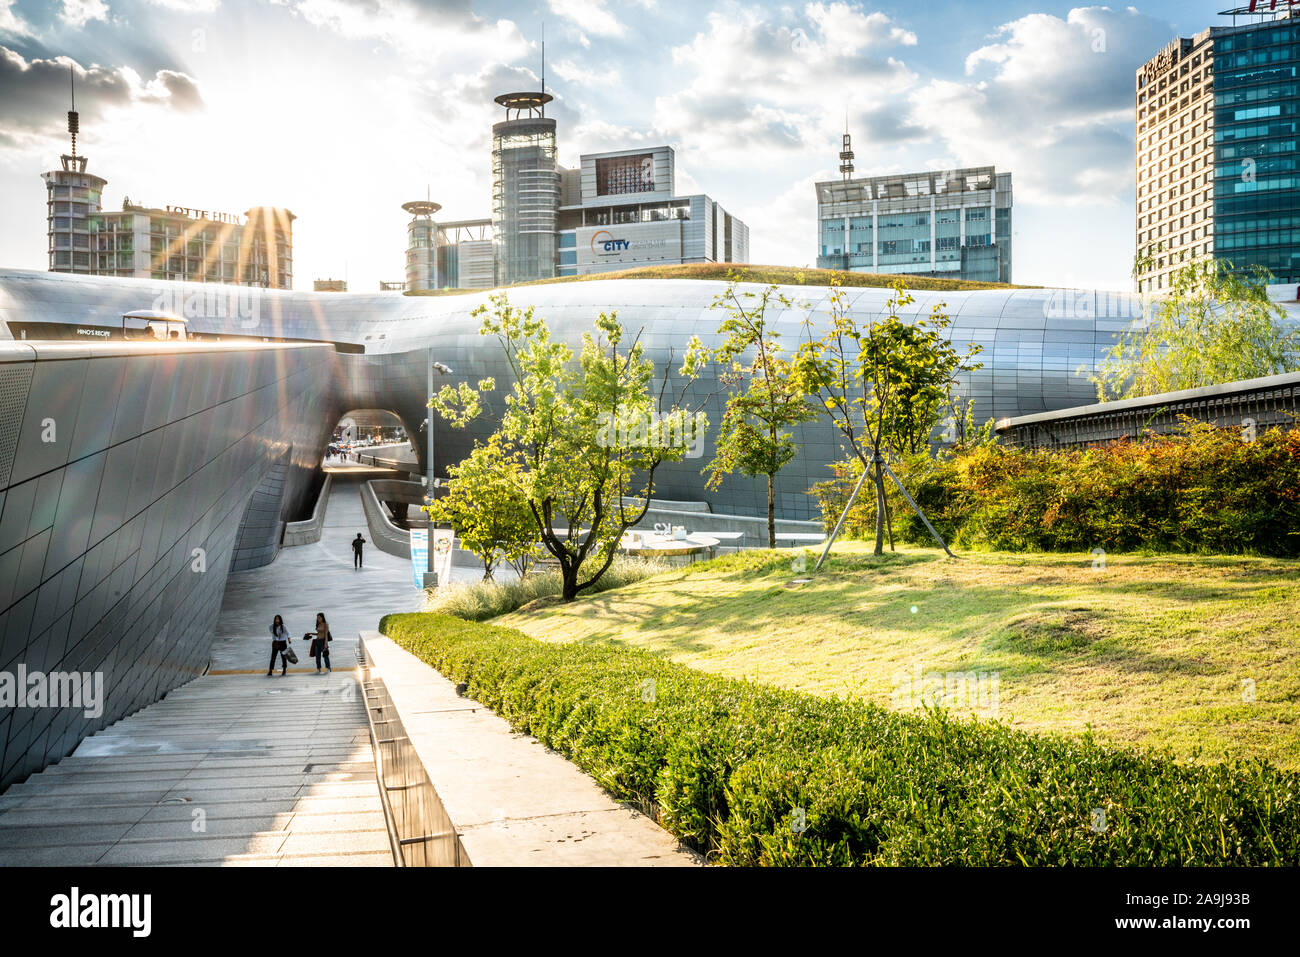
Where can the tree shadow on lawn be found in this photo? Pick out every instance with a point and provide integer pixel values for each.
(1046, 635)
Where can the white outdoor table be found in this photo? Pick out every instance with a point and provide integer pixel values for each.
(664, 546)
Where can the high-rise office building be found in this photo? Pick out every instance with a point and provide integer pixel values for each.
(72, 198)
(173, 243)
(466, 254)
(1218, 175)
(952, 224)
(452, 255)
(525, 189)
(616, 210)
(620, 210)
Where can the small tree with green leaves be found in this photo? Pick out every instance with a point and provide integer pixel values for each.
(486, 507)
(1215, 325)
(588, 435)
(882, 382)
(766, 397)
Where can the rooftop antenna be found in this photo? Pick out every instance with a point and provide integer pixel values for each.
(72, 162)
(543, 56)
(846, 154)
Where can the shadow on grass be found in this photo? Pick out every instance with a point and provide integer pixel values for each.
(1028, 631)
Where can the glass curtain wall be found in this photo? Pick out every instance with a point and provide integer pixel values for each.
(525, 198)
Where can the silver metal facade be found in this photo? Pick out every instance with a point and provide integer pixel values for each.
(1034, 342)
(132, 479)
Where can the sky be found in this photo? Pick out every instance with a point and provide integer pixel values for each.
(341, 110)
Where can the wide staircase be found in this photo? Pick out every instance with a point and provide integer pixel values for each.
(232, 769)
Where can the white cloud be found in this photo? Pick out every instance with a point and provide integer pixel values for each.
(847, 29)
(1052, 101)
(442, 35)
(752, 82)
(11, 23)
(590, 16)
(571, 72)
(78, 13)
(188, 6)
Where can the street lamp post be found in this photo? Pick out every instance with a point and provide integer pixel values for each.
(431, 576)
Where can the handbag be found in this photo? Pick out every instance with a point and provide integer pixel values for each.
(290, 655)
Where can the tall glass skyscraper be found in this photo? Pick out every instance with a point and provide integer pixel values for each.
(1217, 171)
(1256, 167)
(525, 189)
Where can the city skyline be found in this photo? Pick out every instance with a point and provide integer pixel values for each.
(175, 110)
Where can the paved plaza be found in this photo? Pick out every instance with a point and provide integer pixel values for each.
(236, 768)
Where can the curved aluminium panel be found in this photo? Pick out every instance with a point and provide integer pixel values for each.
(1034, 342)
(132, 471)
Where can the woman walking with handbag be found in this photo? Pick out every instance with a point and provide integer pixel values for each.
(321, 645)
(279, 646)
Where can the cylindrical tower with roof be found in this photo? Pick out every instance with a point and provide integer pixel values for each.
(525, 189)
(422, 245)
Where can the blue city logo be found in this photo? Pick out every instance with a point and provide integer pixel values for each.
(609, 244)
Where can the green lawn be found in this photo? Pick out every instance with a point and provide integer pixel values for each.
(787, 275)
(1148, 650)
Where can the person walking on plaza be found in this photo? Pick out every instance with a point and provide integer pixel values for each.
(356, 550)
(321, 643)
(279, 646)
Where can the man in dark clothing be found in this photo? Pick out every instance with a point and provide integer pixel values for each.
(356, 550)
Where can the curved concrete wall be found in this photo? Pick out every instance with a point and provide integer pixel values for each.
(125, 473)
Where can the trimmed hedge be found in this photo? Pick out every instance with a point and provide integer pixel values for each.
(732, 767)
(1202, 491)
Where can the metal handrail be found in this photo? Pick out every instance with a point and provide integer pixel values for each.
(420, 832)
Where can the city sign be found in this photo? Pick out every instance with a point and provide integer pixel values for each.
(610, 246)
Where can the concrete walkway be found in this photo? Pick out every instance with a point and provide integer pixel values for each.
(513, 801)
(236, 767)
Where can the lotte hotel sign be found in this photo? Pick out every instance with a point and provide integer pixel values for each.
(233, 218)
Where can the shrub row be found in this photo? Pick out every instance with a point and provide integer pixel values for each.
(1205, 490)
(754, 775)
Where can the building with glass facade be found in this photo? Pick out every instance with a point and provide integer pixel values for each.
(180, 243)
(525, 189)
(1217, 174)
(453, 255)
(620, 210)
(421, 245)
(950, 223)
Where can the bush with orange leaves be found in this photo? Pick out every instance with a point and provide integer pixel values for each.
(1205, 489)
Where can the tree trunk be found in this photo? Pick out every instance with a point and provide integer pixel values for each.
(771, 511)
(569, 575)
(880, 507)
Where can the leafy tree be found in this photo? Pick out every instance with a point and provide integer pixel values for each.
(488, 510)
(752, 439)
(883, 382)
(1215, 325)
(960, 429)
(587, 436)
